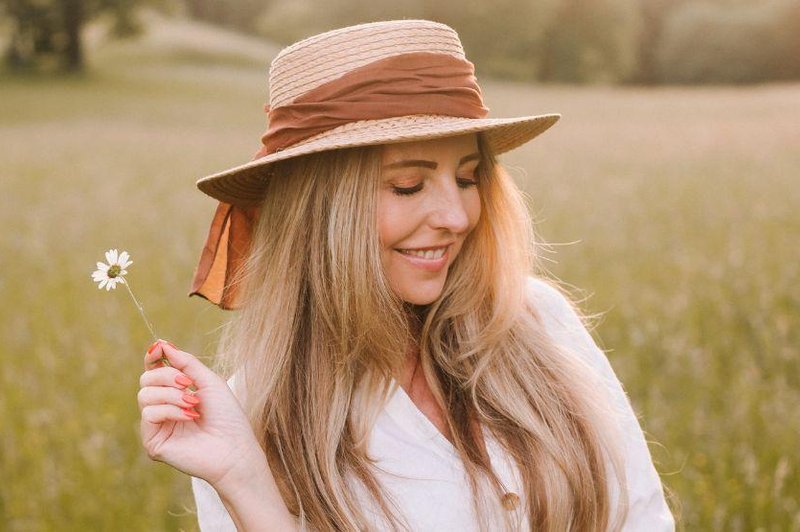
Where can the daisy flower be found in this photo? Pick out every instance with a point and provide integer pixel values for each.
(111, 272)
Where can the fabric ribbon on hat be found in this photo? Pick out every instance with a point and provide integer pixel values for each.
(417, 83)
(225, 250)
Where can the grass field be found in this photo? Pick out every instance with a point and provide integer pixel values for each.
(678, 210)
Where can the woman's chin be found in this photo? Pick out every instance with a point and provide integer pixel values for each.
(422, 293)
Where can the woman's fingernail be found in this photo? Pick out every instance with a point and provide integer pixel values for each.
(183, 380)
(152, 347)
(191, 399)
(192, 414)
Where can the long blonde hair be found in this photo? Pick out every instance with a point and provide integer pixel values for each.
(320, 334)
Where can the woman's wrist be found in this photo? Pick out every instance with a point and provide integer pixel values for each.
(251, 496)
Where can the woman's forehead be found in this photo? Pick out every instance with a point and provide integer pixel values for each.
(431, 149)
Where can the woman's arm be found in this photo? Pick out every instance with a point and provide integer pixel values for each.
(252, 499)
(212, 515)
(245, 504)
(647, 507)
(242, 500)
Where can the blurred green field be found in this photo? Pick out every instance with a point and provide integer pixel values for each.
(677, 211)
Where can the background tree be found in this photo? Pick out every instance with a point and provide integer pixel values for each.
(47, 34)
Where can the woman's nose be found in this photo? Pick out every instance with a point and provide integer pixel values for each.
(448, 210)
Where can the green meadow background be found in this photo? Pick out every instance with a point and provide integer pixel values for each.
(674, 211)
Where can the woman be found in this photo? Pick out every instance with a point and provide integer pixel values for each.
(393, 365)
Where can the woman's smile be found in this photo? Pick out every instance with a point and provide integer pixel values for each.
(429, 259)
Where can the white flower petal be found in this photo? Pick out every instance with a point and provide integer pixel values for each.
(123, 257)
(103, 282)
(111, 256)
(122, 272)
(101, 266)
(127, 264)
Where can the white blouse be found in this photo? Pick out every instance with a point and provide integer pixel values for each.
(423, 474)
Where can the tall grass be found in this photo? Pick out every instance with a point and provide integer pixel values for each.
(682, 208)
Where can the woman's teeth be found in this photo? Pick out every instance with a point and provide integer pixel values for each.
(425, 254)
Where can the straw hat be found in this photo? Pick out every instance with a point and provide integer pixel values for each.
(376, 83)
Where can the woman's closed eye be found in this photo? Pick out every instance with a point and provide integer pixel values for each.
(469, 178)
(407, 191)
(462, 182)
(466, 183)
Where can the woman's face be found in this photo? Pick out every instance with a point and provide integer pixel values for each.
(427, 205)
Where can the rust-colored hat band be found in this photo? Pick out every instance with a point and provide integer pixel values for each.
(401, 85)
(406, 84)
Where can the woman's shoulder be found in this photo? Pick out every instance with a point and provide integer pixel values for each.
(555, 310)
(549, 302)
(563, 324)
(647, 509)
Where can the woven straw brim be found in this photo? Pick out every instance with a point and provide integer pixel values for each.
(245, 184)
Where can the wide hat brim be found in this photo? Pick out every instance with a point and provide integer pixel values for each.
(245, 184)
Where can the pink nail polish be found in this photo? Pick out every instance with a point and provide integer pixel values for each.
(183, 380)
(191, 399)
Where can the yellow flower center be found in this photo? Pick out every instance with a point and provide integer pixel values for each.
(114, 271)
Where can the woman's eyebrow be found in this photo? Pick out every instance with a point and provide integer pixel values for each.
(412, 162)
(428, 164)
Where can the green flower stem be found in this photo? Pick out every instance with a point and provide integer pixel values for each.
(144, 317)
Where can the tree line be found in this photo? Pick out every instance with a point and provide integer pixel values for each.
(570, 41)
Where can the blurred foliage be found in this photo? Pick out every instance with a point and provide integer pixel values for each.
(548, 40)
(705, 42)
(564, 41)
(238, 14)
(580, 41)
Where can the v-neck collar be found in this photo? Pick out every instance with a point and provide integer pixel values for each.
(404, 412)
(407, 415)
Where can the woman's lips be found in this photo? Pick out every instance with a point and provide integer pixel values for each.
(430, 265)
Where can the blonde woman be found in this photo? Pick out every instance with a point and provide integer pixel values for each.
(392, 363)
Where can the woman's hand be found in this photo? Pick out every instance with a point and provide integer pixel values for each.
(216, 443)
(203, 433)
